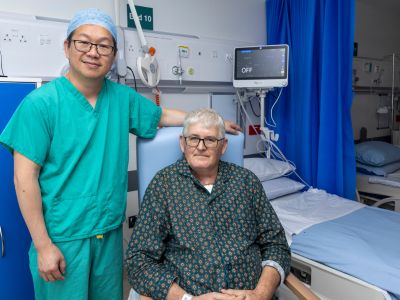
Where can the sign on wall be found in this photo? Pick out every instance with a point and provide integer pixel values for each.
(145, 15)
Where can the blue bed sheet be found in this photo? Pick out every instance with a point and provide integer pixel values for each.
(364, 244)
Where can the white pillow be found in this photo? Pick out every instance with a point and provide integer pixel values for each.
(266, 168)
(280, 187)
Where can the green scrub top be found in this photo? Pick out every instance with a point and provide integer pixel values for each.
(82, 151)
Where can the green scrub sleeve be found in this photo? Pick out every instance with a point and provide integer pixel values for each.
(28, 132)
(144, 116)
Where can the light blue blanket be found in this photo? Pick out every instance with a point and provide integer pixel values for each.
(364, 244)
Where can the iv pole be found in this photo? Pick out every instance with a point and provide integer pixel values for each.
(393, 73)
(268, 135)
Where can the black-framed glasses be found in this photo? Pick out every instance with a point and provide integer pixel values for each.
(85, 46)
(208, 142)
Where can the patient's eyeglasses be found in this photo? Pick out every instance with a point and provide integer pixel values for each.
(209, 142)
(85, 46)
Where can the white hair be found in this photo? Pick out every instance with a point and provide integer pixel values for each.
(207, 118)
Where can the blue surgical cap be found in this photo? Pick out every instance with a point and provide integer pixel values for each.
(92, 16)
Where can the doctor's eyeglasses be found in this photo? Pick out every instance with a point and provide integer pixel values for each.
(85, 46)
(209, 142)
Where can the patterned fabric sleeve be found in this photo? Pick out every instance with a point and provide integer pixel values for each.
(146, 272)
(271, 235)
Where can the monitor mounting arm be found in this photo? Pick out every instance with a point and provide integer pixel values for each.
(147, 65)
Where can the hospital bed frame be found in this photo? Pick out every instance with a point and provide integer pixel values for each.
(167, 139)
(395, 200)
(378, 193)
(328, 283)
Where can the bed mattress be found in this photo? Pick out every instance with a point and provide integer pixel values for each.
(364, 244)
(301, 210)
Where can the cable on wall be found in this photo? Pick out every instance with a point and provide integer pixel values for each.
(134, 77)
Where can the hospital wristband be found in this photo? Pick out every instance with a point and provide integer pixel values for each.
(271, 263)
(187, 296)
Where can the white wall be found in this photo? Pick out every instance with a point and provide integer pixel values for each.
(377, 34)
(54, 8)
(223, 19)
(377, 27)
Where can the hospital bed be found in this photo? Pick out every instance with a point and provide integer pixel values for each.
(328, 259)
(166, 146)
(326, 230)
(378, 176)
(378, 192)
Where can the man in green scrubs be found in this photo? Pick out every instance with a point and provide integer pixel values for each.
(69, 140)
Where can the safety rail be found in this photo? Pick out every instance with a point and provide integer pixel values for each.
(396, 201)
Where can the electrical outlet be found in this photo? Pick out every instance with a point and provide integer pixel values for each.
(131, 221)
(14, 35)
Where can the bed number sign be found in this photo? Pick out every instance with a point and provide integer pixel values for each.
(145, 15)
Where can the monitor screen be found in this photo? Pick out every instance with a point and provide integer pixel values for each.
(261, 66)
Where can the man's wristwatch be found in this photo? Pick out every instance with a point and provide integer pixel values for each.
(187, 297)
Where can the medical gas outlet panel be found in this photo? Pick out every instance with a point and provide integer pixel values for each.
(184, 58)
(32, 47)
(374, 72)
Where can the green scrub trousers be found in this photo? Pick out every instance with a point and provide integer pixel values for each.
(94, 269)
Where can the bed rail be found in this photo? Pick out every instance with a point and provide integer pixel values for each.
(396, 201)
(299, 289)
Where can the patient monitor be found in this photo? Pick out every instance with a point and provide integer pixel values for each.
(258, 69)
(261, 67)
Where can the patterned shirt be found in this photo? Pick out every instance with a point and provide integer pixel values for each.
(203, 241)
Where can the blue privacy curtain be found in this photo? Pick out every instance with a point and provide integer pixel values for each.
(313, 115)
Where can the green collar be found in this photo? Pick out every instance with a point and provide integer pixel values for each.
(82, 99)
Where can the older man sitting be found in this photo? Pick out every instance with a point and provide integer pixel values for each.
(206, 229)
